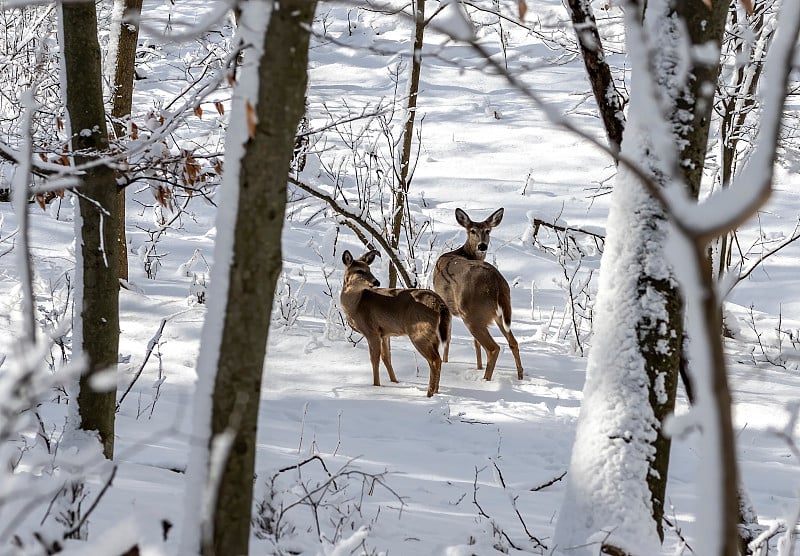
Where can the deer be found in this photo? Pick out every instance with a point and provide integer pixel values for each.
(379, 313)
(476, 292)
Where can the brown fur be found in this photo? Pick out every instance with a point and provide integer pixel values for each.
(379, 313)
(476, 292)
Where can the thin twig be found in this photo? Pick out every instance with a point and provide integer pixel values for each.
(91, 509)
(551, 482)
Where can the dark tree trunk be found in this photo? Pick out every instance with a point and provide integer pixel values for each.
(401, 194)
(256, 265)
(98, 209)
(660, 343)
(122, 102)
(594, 59)
(693, 109)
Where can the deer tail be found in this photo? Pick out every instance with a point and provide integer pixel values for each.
(504, 309)
(445, 319)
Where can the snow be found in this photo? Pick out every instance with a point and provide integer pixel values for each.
(438, 455)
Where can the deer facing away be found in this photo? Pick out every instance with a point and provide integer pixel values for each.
(476, 292)
(379, 313)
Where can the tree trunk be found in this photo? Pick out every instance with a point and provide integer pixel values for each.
(400, 198)
(606, 96)
(99, 304)
(653, 327)
(122, 102)
(693, 109)
(255, 266)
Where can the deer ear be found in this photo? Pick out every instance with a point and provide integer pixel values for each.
(369, 256)
(495, 218)
(347, 258)
(462, 218)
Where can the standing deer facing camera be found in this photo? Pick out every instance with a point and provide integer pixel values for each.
(476, 292)
(379, 313)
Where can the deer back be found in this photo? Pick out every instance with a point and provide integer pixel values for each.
(472, 289)
(388, 311)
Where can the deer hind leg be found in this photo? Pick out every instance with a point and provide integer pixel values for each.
(512, 343)
(374, 344)
(430, 351)
(485, 340)
(386, 356)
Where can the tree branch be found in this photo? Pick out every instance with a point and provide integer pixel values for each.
(351, 216)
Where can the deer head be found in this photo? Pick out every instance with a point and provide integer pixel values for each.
(478, 233)
(357, 273)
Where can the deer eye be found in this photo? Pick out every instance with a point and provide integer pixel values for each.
(473, 232)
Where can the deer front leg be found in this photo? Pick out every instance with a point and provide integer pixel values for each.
(478, 352)
(386, 356)
(374, 344)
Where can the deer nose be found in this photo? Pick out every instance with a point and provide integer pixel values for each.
(483, 246)
(376, 283)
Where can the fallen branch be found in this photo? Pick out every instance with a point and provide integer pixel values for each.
(551, 482)
(537, 222)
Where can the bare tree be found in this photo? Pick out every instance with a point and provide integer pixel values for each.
(98, 306)
(403, 179)
(122, 98)
(608, 99)
(248, 261)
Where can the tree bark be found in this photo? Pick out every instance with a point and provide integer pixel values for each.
(122, 102)
(256, 265)
(690, 118)
(693, 109)
(608, 100)
(97, 193)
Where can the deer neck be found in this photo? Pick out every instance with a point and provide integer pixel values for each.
(469, 252)
(351, 297)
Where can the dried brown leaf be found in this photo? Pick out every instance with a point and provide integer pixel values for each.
(41, 200)
(748, 7)
(198, 111)
(220, 108)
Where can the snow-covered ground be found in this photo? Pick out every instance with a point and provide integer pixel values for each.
(445, 475)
